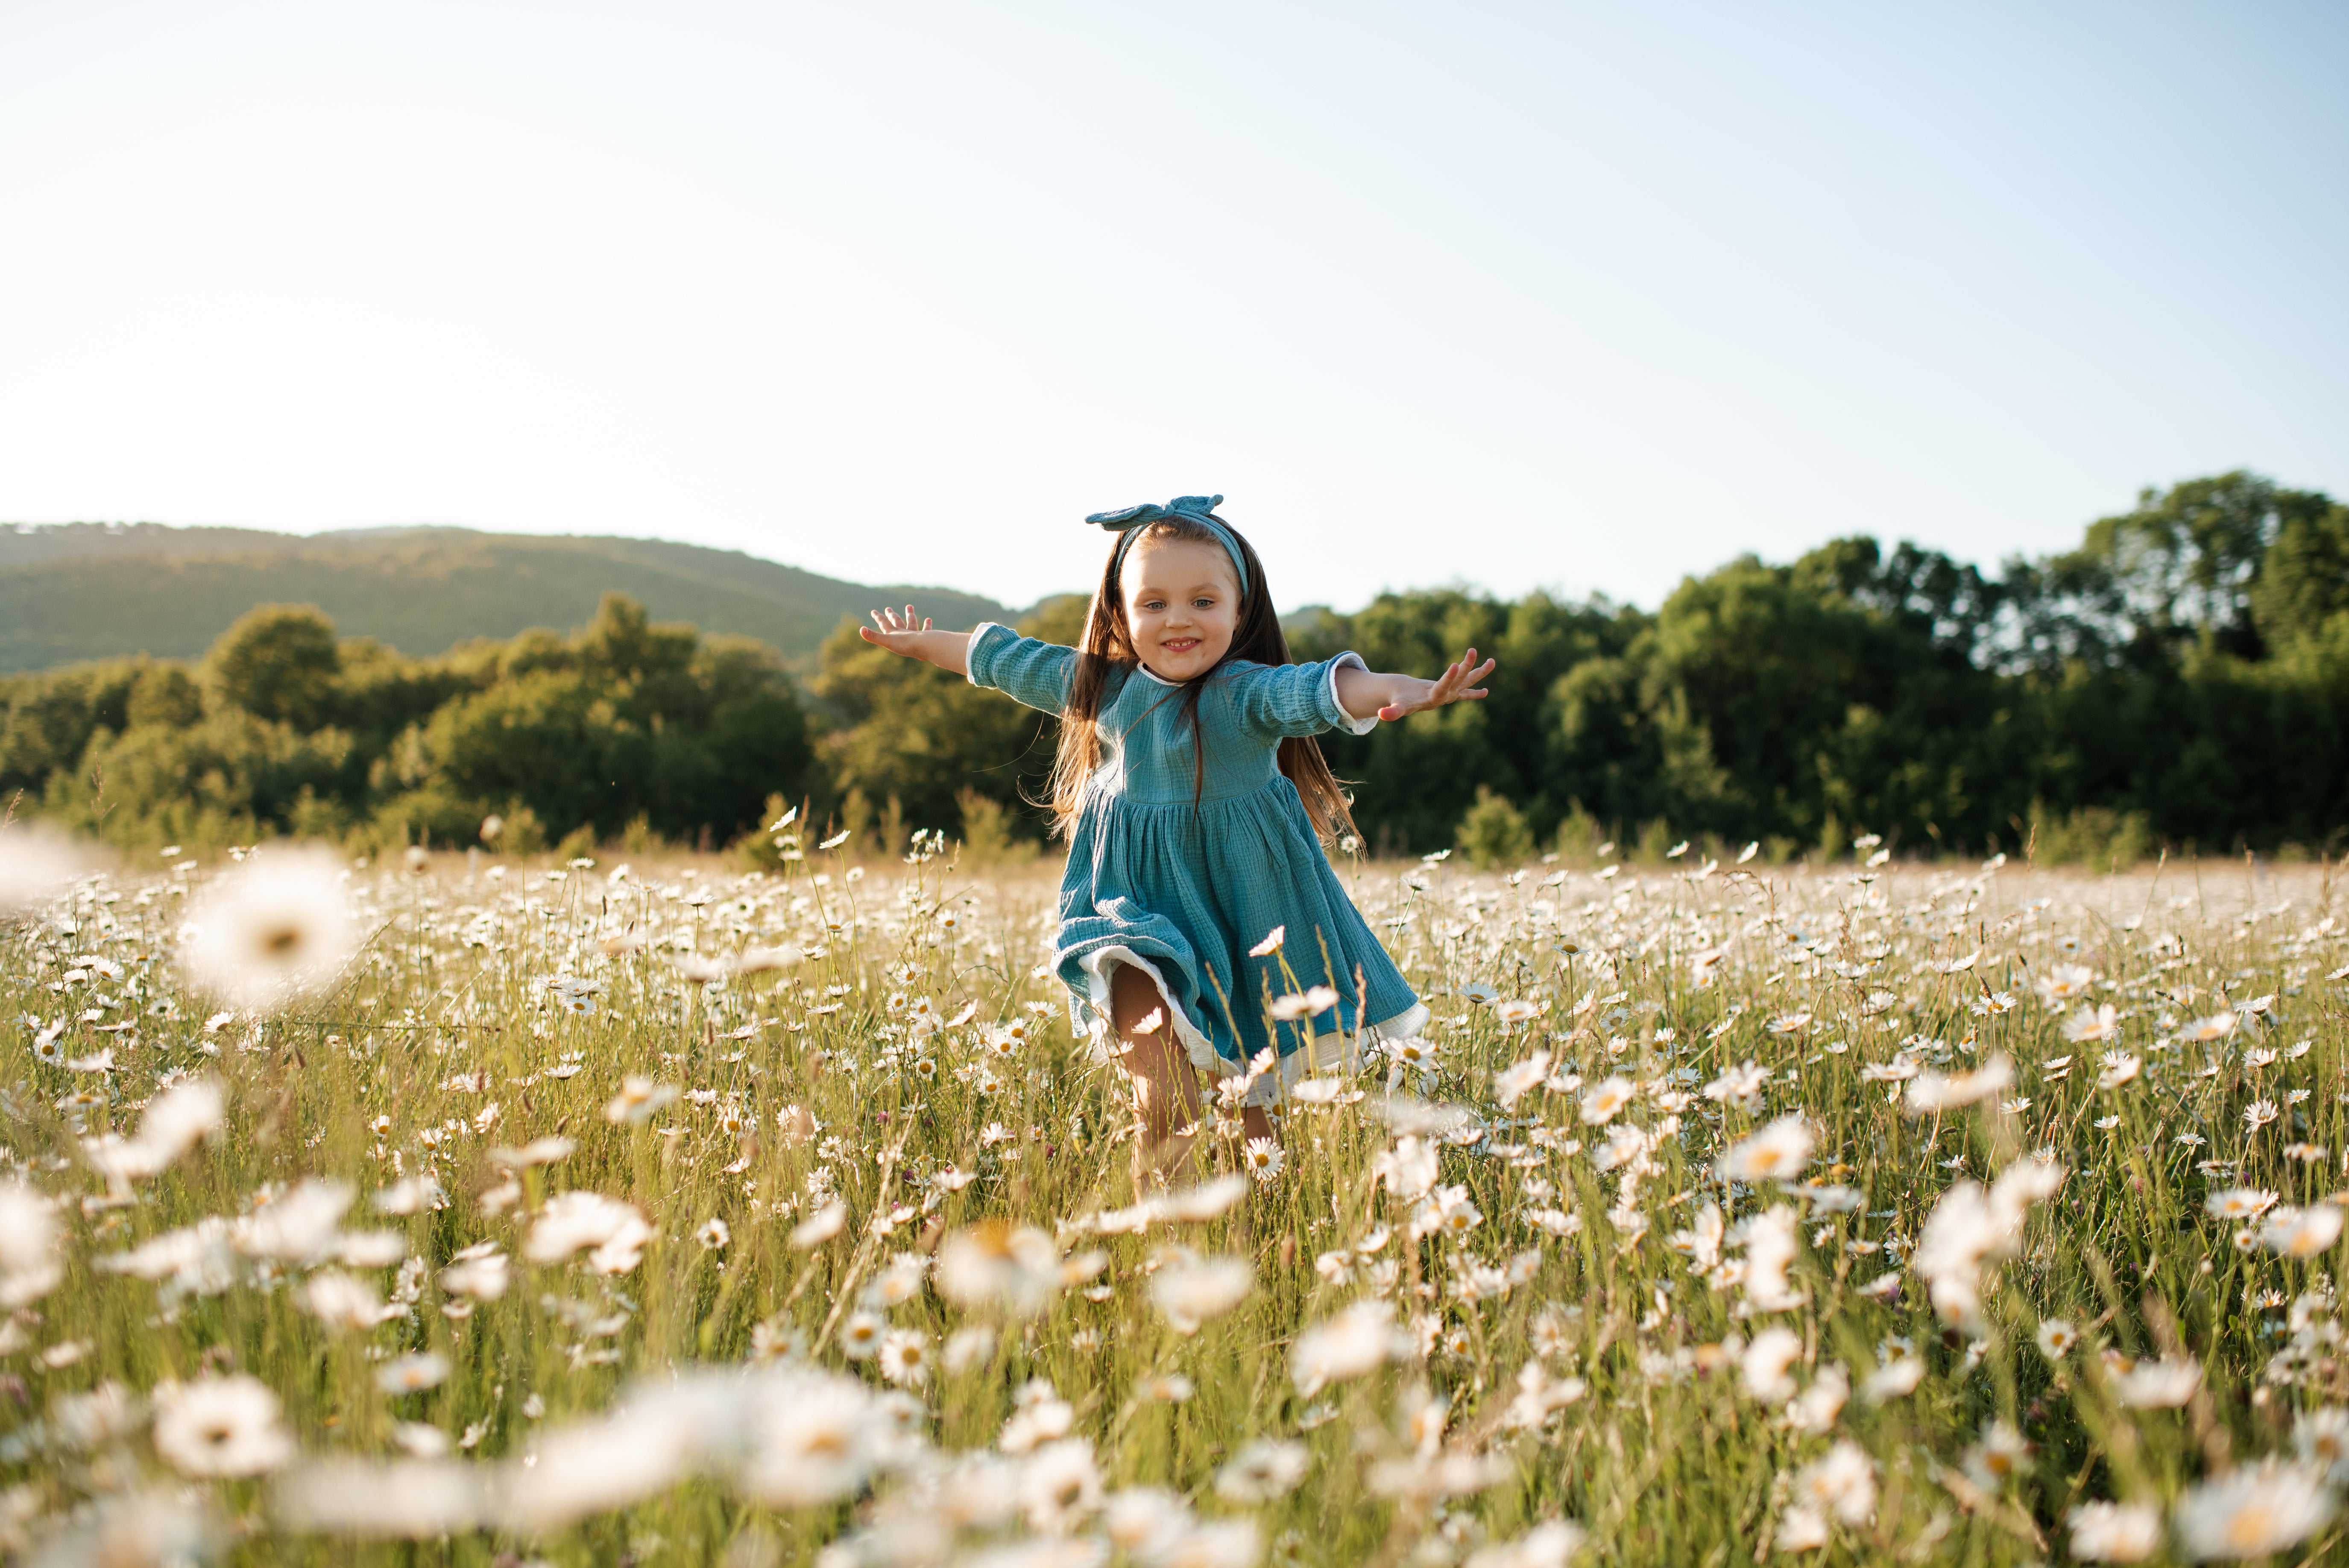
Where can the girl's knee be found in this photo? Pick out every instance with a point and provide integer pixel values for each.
(1131, 994)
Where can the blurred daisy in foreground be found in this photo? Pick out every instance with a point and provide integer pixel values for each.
(29, 1266)
(2322, 1437)
(412, 1374)
(996, 1263)
(1765, 1363)
(1776, 1153)
(2252, 1513)
(272, 930)
(1842, 1482)
(2301, 1232)
(2066, 982)
(817, 1438)
(613, 1233)
(1261, 1472)
(1998, 1457)
(2240, 1203)
(2162, 1385)
(1358, 1339)
(34, 867)
(1896, 1378)
(2115, 1531)
(174, 1122)
(1188, 1292)
(221, 1427)
(1930, 1092)
(1600, 1103)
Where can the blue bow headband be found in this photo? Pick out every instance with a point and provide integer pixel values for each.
(1128, 524)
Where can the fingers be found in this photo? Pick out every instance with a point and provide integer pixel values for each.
(1457, 679)
(888, 627)
(1451, 686)
(1456, 675)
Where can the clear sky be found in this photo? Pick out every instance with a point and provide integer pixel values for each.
(1576, 297)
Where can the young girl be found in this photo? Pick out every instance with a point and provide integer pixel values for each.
(1196, 805)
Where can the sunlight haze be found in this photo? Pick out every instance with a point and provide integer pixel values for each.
(1578, 297)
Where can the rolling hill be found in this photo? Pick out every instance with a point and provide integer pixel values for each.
(79, 591)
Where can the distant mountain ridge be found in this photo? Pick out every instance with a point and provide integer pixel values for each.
(76, 591)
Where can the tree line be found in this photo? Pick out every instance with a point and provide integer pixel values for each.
(2180, 678)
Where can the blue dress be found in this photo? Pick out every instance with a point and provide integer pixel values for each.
(1184, 892)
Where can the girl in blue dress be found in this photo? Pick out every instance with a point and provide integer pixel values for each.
(1196, 807)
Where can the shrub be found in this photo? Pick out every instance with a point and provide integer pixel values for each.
(986, 837)
(1579, 834)
(1494, 833)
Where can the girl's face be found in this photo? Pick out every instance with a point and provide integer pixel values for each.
(1182, 605)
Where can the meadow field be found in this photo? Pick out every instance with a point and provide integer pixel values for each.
(462, 1209)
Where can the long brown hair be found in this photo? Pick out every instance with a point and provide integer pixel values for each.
(1108, 646)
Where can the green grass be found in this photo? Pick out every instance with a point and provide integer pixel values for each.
(1664, 1457)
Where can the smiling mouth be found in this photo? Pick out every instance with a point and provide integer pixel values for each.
(1180, 644)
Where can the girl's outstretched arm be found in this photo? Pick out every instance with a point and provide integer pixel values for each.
(1361, 693)
(904, 635)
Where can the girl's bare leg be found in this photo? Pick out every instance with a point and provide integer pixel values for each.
(1165, 1086)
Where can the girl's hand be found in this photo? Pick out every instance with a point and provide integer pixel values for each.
(910, 637)
(1413, 695)
(899, 635)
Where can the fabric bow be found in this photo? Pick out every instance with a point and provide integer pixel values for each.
(1201, 508)
(1190, 508)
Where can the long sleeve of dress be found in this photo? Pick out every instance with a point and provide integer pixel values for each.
(1294, 699)
(1022, 668)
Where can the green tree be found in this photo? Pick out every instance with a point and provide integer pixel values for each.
(2183, 675)
(2183, 567)
(627, 720)
(1414, 781)
(1494, 833)
(279, 662)
(907, 732)
(2302, 587)
(52, 718)
(164, 697)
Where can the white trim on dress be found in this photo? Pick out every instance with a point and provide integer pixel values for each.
(971, 664)
(1337, 1051)
(1346, 720)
